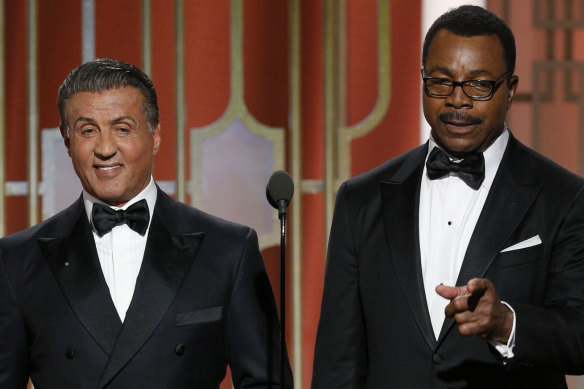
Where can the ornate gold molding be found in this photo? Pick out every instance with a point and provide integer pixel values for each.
(338, 136)
(348, 133)
(237, 110)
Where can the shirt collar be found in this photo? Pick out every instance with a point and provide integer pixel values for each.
(493, 156)
(149, 193)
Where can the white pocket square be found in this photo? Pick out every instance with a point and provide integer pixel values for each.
(533, 241)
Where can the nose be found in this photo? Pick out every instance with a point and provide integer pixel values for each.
(458, 99)
(106, 146)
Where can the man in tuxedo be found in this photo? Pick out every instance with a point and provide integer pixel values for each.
(459, 264)
(128, 288)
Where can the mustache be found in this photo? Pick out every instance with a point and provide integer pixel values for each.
(460, 118)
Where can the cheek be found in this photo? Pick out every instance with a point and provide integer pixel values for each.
(137, 154)
(80, 149)
(429, 108)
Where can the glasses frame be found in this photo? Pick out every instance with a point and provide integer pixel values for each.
(495, 84)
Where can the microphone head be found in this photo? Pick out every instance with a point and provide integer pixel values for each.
(280, 187)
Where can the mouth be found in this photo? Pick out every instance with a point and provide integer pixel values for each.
(107, 169)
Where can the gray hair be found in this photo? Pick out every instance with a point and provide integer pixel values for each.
(106, 74)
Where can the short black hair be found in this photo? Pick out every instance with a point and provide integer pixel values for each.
(471, 20)
(105, 74)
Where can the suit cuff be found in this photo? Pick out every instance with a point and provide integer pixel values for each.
(506, 350)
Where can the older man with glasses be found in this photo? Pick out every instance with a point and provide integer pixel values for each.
(459, 264)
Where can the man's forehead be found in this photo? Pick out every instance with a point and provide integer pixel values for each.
(124, 95)
(473, 54)
(110, 105)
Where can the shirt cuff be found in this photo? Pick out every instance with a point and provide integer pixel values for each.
(506, 350)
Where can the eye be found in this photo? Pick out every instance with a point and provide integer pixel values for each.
(440, 81)
(481, 85)
(87, 131)
(123, 130)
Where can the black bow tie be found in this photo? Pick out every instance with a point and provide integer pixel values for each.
(471, 169)
(105, 218)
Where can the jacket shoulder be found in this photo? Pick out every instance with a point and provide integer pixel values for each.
(181, 218)
(58, 225)
(555, 177)
(394, 169)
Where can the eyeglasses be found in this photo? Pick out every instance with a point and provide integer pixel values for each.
(475, 89)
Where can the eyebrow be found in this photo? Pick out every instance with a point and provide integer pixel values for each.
(111, 122)
(121, 119)
(83, 119)
(472, 73)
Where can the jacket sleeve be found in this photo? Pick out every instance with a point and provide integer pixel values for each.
(13, 337)
(252, 326)
(340, 358)
(552, 335)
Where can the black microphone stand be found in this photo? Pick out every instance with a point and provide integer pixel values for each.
(282, 204)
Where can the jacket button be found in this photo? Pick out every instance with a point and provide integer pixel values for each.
(437, 358)
(179, 349)
(70, 352)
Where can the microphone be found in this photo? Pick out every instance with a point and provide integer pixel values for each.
(279, 191)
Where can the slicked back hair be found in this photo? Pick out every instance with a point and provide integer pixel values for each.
(471, 20)
(105, 74)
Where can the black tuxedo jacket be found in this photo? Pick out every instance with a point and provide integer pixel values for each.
(375, 329)
(202, 300)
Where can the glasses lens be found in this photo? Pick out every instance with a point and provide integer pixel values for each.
(478, 88)
(438, 86)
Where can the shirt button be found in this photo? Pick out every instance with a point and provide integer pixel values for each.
(70, 353)
(437, 358)
(179, 349)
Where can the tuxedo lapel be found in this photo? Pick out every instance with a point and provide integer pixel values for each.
(75, 265)
(400, 199)
(512, 193)
(167, 260)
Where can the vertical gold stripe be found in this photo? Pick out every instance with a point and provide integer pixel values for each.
(330, 107)
(2, 125)
(296, 173)
(341, 66)
(33, 115)
(236, 56)
(180, 104)
(146, 37)
(87, 30)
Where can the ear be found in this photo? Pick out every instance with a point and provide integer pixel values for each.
(156, 137)
(513, 83)
(66, 139)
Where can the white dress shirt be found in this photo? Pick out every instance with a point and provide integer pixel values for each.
(121, 250)
(449, 210)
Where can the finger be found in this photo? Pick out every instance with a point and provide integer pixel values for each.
(479, 285)
(473, 328)
(464, 317)
(457, 305)
(450, 292)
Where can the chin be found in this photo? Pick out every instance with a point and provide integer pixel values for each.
(458, 149)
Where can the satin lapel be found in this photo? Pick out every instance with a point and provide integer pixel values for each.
(167, 260)
(511, 195)
(400, 199)
(75, 265)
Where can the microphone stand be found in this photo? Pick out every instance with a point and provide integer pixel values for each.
(282, 204)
